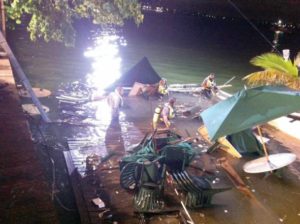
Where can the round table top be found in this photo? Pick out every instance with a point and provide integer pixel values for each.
(276, 161)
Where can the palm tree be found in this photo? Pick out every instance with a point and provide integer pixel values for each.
(277, 71)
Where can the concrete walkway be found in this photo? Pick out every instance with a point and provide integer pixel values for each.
(25, 194)
(290, 125)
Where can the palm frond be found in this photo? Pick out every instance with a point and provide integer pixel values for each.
(271, 77)
(271, 61)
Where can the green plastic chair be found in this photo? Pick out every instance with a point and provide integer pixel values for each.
(148, 197)
(198, 190)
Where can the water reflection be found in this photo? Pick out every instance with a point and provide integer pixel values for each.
(106, 61)
(279, 29)
(106, 69)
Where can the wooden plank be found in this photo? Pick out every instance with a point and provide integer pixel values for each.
(74, 178)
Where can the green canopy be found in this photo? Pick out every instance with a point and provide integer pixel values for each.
(245, 142)
(248, 108)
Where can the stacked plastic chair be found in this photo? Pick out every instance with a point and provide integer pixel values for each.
(144, 173)
(198, 190)
(150, 185)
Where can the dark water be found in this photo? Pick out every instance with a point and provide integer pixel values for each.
(182, 49)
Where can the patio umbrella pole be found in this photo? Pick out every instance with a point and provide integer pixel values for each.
(263, 143)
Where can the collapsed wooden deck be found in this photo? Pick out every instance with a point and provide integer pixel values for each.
(111, 141)
(101, 181)
(24, 191)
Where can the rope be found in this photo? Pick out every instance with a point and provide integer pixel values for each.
(253, 25)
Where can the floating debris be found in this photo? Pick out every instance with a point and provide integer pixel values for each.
(33, 110)
(100, 215)
(39, 92)
(283, 218)
(92, 161)
(98, 202)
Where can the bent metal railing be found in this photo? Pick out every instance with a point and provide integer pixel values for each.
(19, 72)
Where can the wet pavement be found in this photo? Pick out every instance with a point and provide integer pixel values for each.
(95, 152)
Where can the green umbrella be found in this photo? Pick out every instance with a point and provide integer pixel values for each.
(248, 108)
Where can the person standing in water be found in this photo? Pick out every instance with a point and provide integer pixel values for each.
(209, 86)
(115, 101)
(164, 114)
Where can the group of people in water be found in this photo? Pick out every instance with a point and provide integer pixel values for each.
(162, 113)
(158, 89)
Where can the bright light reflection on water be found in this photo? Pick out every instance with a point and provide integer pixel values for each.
(106, 61)
(105, 68)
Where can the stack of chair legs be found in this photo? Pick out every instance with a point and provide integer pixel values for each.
(148, 197)
(198, 190)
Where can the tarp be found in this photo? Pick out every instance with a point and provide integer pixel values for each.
(245, 142)
(142, 72)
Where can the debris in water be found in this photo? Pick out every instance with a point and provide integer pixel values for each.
(103, 212)
(282, 219)
(225, 211)
(201, 215)
(253, 190)
(92, 161)
(98, 202)
(117, 192)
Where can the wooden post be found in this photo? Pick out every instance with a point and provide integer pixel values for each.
(263, 143)
(3, 20)
(22, 76)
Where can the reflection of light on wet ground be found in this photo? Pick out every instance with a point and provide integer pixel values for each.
(106, 65)
(103, 112)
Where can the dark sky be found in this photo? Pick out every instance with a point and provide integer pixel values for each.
(256, 9)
